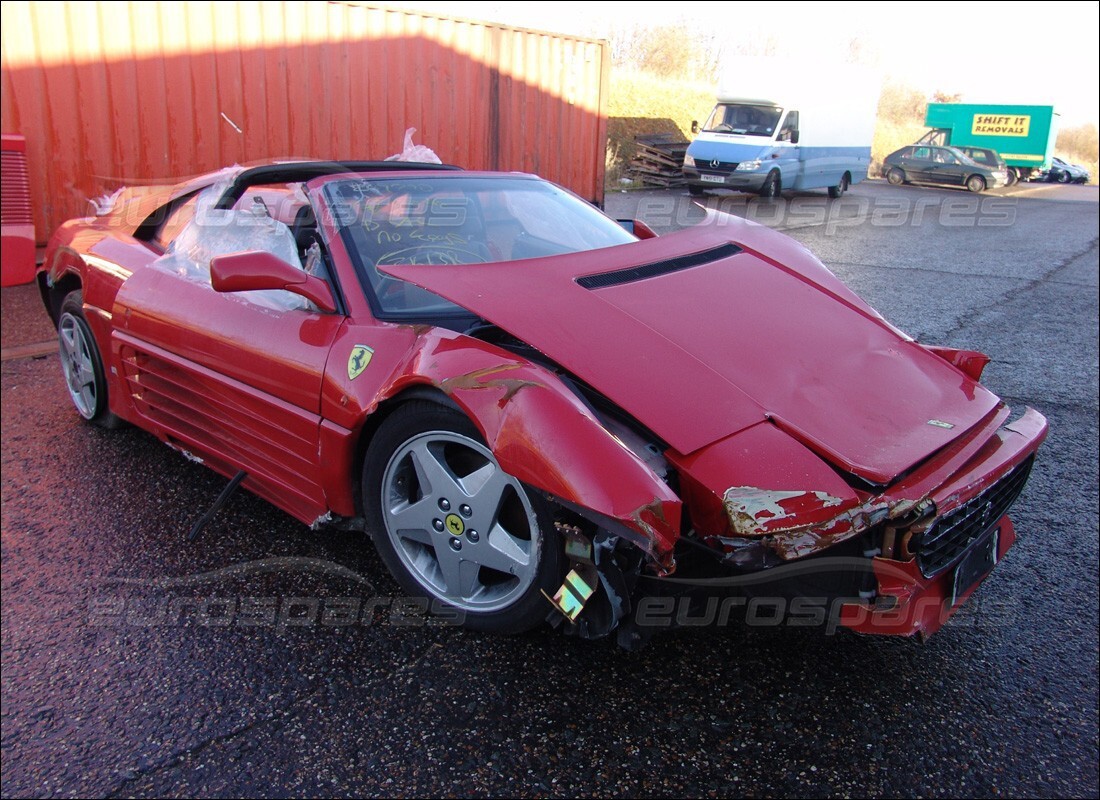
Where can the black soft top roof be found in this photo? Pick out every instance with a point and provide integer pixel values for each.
(302, 171)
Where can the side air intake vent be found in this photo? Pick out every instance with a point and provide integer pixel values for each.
(16, 214)
(620, 276)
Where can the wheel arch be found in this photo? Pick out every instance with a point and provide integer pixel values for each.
(544, 435)
(373, 421)
(54, 292)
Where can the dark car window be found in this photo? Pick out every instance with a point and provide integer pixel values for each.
(923, 153)
(790, 127)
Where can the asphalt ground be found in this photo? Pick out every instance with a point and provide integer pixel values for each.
(136, 663)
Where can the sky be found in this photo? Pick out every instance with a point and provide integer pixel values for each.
(1041, 54)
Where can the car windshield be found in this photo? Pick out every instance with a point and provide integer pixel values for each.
(457, 220)
(749, 120)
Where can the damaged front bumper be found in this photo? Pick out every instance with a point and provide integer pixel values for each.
(934, 536)
(910, 555)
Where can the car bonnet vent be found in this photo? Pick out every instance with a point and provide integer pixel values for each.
(620, 276)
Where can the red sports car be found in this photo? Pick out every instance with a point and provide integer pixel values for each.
(537, 412)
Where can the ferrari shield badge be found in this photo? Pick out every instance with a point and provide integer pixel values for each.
(358, 360)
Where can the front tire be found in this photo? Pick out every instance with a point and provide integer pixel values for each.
(451, 525)
(82, 364)
(772, 186)
(696, 191)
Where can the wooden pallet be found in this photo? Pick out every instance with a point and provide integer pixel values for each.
(659, 160)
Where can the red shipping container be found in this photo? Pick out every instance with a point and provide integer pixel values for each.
(112, 94)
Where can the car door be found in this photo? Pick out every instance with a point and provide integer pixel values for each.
(789, 153)
(946, 168)
(918, 166)
(233, 378)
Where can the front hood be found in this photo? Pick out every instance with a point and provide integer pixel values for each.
(729, 148)
(704, 332)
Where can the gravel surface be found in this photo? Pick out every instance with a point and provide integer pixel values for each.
(136, 663)
(25, 318)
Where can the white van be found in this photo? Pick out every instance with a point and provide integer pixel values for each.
(774, 129)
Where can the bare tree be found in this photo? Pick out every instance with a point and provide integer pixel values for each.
(1081, 140)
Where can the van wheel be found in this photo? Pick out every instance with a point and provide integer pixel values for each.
(772, 186)
(696, 191)
(840, 188)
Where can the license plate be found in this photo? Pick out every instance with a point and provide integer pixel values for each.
(975, 565)
(712, 178)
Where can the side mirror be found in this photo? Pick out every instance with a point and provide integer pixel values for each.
(256, 269)
(695, 126)
(638, 228)
(794, 136)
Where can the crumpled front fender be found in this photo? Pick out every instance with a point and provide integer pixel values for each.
(545, 436)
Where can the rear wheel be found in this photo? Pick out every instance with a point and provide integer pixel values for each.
(896, 177)
(453, 526)
(975, 183)
(1063, 177)
(82, 364)
(772, 186)
(840, 188)
(1011, 177)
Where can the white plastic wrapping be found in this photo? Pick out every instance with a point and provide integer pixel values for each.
(105, 203)
(213, 232)
(418, 153)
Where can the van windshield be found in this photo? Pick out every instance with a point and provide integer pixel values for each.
(745, 119)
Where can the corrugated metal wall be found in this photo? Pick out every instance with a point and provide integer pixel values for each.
(109, 93)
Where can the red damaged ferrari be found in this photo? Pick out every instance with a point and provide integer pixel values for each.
(536, 412)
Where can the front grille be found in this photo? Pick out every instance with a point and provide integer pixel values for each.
(718, 168)
(630, 274)
(951, 534)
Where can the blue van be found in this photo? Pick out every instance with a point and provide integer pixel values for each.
(767, 143)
